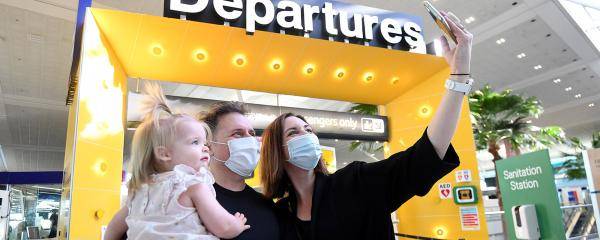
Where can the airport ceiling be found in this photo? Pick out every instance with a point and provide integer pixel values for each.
(36, 44)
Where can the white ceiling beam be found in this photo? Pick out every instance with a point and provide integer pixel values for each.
(24, 147)
(556, 72)
(571, 104)
(63, 9)
(24, 101)
(588, 3)
(562, 24)
(502, 22)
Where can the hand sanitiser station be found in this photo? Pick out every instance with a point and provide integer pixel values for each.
(525, 222)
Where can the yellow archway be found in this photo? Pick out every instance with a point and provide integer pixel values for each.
(117, 45)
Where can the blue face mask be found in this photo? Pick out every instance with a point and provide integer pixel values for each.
(304, 151)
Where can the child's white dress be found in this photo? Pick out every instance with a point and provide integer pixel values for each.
(154, 210)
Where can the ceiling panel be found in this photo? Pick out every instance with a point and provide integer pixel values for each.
(582, 81)
(499, 66)
(37, 127)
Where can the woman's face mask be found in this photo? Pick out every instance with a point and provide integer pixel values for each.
(304, 151)
(243, 156)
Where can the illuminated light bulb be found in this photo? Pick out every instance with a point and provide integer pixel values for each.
(157, 50)
(276, 64)
(99, 214)
(100, 167)
(340, 73)
(200, 55)
(368, 77)
(425, 111)
(309, 69)
(239, 60)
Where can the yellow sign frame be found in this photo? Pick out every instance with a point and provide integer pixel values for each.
(117, 45)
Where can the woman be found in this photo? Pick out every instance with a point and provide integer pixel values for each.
(356, 201)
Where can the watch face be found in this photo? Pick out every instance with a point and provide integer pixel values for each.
(450, 84)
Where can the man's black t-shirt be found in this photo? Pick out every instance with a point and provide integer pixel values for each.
(259, 211)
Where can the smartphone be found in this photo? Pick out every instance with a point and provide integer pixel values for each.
(440, 21)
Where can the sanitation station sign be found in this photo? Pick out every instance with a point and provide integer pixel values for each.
(529, 179)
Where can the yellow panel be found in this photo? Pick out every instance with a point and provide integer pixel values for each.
(178, 40)
(409, 115)
(96, 128)
(166, 49)
(97, 166)
(91, 209)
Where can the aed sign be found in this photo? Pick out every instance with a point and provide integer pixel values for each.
(322, 19)
(465, 195)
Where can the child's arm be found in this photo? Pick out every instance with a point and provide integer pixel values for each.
(215, 218)
(117, 227)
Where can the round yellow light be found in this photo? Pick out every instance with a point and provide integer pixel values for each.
(395, 81)
(425, 111)
(276, 64)
(99, 214)
(368, 77)
(309, 69)
(340, 73)
(200, 55)
(157, 50)
(239, 60)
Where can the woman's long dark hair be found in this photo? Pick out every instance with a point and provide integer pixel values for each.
(274, 179)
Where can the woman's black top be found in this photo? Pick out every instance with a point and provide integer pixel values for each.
(356, 201)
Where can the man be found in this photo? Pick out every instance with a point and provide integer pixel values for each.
(234, 151)
(234, 155)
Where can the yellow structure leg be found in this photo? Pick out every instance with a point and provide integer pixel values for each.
(94, 154)
(431, 216)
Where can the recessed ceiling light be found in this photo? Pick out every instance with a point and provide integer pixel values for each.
(36, 38)
(538, 67)
(521, 55)
(591, 105)
(578, 96)
(557, 80)
(568, 89)
(500, 41)
(469, 20)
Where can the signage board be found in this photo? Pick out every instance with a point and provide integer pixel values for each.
(328, 124)
(321, 19)
(529, 179)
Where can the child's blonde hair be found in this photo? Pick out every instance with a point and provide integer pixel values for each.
(158, 128)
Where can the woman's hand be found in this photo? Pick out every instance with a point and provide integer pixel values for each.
(459, 58)
(444, 122)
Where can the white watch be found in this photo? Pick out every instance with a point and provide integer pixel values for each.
(458, 86)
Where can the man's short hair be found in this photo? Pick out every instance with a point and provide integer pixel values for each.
(217, 110)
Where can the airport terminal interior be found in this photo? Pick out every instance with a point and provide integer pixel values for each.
(73, 74)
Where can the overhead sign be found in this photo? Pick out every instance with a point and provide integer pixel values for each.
(529, 179)
(316, 19)
(328, 124)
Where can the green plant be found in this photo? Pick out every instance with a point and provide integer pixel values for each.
(596, 140)
(574, 167)
(367, 147)
(503, 118)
